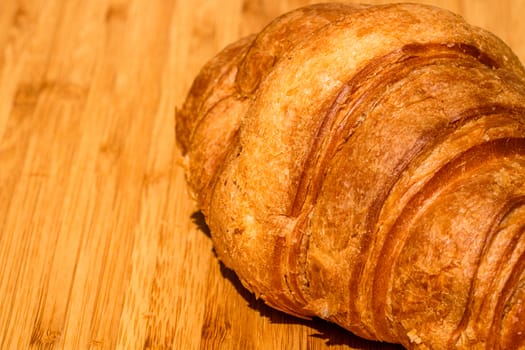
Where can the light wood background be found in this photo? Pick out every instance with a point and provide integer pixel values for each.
(98, 247)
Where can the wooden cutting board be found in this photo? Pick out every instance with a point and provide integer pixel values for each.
(99, 244)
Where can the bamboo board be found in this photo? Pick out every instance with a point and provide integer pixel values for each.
(99, 247)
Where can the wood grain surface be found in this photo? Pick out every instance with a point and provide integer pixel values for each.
(100, 246)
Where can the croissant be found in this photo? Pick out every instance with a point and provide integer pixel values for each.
(366, 165)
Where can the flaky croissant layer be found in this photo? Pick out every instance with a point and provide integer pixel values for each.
(366, 164)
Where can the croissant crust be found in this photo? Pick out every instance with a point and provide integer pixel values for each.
(366, 165)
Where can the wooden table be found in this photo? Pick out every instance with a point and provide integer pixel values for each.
(98, 245)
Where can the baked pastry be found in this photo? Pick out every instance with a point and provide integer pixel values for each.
(366, 165)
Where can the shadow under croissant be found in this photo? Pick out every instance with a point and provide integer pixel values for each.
(331, 333)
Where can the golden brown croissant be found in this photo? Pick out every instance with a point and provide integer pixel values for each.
(366, 164)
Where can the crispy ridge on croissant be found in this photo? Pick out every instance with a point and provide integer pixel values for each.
(366, 165)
